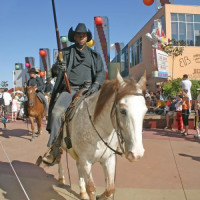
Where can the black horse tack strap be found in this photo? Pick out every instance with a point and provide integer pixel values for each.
(90, 117)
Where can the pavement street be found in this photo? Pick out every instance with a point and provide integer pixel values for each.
(169, 170)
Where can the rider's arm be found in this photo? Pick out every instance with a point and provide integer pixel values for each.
(40, 85)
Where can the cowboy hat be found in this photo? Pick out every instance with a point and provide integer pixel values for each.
(33, 70)
(81, 28)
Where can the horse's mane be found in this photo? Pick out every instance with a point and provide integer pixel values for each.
(109, 88)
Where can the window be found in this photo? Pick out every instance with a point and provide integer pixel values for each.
(197, 34)
(190, 35)
(136, 52)
(122, 66)
(186, 27)
(130, 56)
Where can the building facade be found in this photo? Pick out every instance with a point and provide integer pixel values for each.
(180, 22)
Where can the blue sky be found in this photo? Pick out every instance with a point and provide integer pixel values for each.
(28, 25)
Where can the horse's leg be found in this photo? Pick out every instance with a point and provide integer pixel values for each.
(39, 124)
(32, 127)
(61, 177)
(83, 192)
(85, 171)
(109, 171)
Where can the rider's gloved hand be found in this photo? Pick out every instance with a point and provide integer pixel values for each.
(58, 66)
(94, 88)
(61, 65)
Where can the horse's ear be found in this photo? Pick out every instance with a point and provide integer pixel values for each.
(142, 82)
(119, 79)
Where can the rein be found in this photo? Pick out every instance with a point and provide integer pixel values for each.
(90, 117)
(33, 100)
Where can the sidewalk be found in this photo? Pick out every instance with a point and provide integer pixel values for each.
(169, 170)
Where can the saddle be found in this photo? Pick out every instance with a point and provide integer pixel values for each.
(77, 99)
(39, 98)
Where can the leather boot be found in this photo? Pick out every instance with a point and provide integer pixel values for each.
(54, 156)
(48, 159)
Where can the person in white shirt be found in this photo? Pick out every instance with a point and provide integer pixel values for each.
(7, 100)
(186, 84)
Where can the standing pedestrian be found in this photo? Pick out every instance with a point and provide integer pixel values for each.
(14, 108)
(186, 107)
(186, 84)
(179, 118)
(7, 101)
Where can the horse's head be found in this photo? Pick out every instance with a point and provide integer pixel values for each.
(127, 112)
(130, 111)
(31, 95)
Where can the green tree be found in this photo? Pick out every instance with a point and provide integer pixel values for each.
(171, 88)
(195, 85)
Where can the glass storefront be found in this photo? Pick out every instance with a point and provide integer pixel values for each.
(136, 52)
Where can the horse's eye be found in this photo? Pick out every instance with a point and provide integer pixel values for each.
(123, 112)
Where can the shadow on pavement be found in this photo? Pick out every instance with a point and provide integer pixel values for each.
(197, 158)
(15, 133)
(36, 182)
(172, 134)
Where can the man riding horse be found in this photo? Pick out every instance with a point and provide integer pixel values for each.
(85, 69)
(35, 80)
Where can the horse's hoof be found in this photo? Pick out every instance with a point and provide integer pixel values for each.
(61, 181)
(32, 139)
(37, 134)
(84, 196)
(104, 197)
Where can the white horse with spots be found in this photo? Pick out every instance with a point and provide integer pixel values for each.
(118, 105)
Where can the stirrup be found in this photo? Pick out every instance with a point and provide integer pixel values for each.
(56, 159)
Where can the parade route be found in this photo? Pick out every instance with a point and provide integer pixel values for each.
(169, 170)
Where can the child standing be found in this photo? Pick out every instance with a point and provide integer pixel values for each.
(4, 120)
(179, 118)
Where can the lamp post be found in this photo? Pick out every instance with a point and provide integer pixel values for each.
(13, 81)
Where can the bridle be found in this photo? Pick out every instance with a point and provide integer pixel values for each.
(33, 102)
(114, 112)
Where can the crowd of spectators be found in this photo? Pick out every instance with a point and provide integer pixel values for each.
(176, 107)
(11, 104)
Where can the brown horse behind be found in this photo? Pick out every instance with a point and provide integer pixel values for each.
(35, 110)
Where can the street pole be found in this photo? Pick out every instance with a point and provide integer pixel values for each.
(60, 55)
(172, 67)
(13, 81)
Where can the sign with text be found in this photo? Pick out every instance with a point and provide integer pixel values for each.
(162, 61)
(159, 64)
(159, 74)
